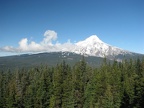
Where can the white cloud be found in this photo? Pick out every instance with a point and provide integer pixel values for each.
(45, 45)
(49, 37)
(8, 49)
(68, 46)
(23, 45)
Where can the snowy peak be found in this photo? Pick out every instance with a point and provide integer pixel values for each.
(93, 46)
(93, 38)
(90, 40)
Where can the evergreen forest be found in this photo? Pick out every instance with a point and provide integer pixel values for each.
(112, 85)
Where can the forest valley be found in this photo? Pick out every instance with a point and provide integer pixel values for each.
(112, 85)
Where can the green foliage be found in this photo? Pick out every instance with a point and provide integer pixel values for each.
(112, 85)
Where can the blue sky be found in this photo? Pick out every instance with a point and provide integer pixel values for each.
(116, 22)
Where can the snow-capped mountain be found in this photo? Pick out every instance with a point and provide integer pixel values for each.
(93, 46)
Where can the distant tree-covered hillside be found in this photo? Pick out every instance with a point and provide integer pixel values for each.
(112, 85)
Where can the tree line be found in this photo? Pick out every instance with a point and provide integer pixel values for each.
(112, 85)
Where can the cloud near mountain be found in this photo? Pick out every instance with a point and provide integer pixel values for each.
(45, 45)
(91, 46)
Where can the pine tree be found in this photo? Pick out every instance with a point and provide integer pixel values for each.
(79, 79)
(2, 89)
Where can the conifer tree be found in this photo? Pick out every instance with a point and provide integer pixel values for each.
(79, 83)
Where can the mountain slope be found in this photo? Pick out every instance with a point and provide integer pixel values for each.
(50, 59)
(93, 46)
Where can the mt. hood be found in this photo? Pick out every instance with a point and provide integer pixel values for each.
(93, 46)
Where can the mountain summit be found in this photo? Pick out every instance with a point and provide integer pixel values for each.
(93, 46)
(93, 38)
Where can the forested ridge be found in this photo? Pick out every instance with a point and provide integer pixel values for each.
(112, 85)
